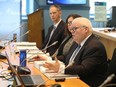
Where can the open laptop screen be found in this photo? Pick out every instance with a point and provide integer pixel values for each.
(13, 70)
(36, 79)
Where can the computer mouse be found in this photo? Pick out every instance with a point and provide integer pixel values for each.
(23, 70)
(56, 85)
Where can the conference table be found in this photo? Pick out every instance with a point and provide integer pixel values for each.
(72, 82)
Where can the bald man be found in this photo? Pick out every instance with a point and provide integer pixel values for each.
(87, 57)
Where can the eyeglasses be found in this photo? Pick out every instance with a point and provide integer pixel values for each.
(69, 23)
(75, 28)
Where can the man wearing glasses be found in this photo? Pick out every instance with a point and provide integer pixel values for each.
(86, 58)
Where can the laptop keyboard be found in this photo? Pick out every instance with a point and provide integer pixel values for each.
(27, 79)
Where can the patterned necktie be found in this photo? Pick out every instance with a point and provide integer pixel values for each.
(74, 54)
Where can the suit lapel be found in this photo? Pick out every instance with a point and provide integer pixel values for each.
(80, 53)
(57, 30)
(49, 32)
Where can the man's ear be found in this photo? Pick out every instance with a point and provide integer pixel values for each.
(86, 29)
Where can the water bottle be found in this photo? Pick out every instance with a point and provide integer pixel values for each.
(22, 57)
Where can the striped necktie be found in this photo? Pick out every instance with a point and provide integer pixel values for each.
(74, 54)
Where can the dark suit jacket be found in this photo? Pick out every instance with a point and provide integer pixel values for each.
(58, 35)
(90, 63)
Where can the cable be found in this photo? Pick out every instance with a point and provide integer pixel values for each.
(6, 75)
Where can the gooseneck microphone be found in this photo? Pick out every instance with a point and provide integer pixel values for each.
(108, 80)
(25, 33)
(19, 37)
(5, 36)
(54, 43)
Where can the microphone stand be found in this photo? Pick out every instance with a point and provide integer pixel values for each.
(108, 80)
(44, 50)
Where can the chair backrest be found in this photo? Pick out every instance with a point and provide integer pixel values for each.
(112, 64)
(111, 78)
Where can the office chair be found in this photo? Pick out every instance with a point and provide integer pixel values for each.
(111, 73)
(112, 64)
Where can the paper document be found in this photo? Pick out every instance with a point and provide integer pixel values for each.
(60, 75)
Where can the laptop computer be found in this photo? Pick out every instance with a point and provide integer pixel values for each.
(25, 80)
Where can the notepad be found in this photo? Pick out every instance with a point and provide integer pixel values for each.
(60, 75)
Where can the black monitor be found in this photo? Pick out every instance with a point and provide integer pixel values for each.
(113, 13)
(112, 20)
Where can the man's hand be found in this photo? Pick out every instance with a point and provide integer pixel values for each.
(53, 66)
(42, 57)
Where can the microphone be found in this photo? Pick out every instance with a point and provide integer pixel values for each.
(108, 80)
(5, 36)
(54, 43)
(21, 35)
(25, 33)
(15, 38)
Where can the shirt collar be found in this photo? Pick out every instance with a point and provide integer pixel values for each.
(82, 43)
(55, 25)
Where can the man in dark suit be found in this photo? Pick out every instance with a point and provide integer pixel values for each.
(86, 58)
(55, 31)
